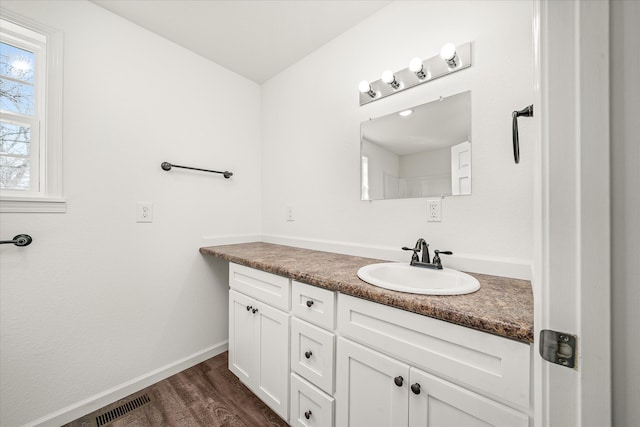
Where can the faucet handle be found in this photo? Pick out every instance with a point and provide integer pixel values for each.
(414, 257)
(436, 257)
(443, 252)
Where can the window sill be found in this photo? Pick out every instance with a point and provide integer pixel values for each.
(32, 205)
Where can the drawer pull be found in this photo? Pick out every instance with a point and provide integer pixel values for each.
(254, 311)
(415, 388)
(249, 307)
(307, 414)
(308, 354)
(309, 303)
(398, 380)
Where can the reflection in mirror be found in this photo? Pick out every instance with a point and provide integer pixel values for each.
(421, 152)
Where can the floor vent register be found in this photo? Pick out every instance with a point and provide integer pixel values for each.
(120, 411)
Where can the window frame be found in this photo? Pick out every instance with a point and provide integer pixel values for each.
(49, 197)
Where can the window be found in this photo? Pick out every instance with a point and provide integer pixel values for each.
(30, 116)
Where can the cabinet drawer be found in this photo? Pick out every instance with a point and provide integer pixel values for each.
(314, 304)
(312, 351)
(493, 365)
(266, 287)
(309, 405)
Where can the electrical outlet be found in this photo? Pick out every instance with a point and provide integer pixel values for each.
(144, 212)
(434, 210)
(290, 216)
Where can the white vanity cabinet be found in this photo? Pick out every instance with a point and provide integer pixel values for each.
(259, 334)
(411, 370)
(320, 358)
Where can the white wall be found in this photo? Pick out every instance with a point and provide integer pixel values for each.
(98, 302)
(625, 215)
(311, 121)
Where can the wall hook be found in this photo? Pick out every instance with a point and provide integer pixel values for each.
(525, 112)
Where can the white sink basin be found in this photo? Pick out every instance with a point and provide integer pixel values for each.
(403, 277)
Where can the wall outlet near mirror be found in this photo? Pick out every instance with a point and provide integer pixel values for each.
(434, 210)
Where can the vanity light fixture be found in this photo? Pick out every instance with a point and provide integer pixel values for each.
(450, 56)
(389, 78)
(417, 67)
(451, 59)
(365, 88)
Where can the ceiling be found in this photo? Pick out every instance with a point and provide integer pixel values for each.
(254, 38)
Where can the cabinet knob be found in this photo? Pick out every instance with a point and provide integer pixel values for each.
(249, 307)
(254, 311)
(307, 414)
(398, 380)
(309, 303)
(307, 354)
(415, 388)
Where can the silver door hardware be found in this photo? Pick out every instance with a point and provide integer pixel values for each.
(558, 347)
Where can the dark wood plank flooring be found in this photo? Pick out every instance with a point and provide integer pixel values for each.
(207, 394)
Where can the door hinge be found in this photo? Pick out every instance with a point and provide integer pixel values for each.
(558, 347)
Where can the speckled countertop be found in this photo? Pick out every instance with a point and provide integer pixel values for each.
(501, 306)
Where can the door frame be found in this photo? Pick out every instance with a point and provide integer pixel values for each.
(571, 272)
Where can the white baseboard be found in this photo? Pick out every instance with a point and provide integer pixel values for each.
(93, 403)
(497, 266)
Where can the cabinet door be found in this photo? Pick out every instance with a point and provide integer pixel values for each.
(272, 349)
(434, 402)
(371, 389)
(242, 356)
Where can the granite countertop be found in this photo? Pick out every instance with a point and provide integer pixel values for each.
(502, 306)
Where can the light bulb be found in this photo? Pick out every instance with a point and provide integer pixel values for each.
(364, 86)
(415, 65)
(448, 52)
(388, 77)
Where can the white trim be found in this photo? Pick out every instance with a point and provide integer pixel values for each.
(571, 202)
(32, 205)
(496, 266)
(86, 406)
(230, 239)
(51, 137)
(540, 241)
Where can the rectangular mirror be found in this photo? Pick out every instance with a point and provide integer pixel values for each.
(424, 151)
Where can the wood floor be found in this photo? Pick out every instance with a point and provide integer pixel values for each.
(207, 394)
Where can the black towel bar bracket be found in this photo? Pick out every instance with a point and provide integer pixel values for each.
(525, 112)
(167, 167)
(19, 240)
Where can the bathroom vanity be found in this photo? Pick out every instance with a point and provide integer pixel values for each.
(323, 348)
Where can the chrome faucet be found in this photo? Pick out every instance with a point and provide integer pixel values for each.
(423, 246)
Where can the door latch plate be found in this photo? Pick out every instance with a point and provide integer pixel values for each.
(558, 347)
